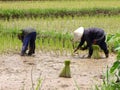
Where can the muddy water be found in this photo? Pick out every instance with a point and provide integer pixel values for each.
(22, 73)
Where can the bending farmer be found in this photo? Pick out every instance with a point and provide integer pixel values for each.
(28, 37)
(91, 36)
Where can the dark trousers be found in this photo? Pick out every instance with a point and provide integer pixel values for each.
(29, 40)
(102, 44)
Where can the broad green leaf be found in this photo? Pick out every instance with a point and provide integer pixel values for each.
(119, 71)
(115, 66)
(109, 37)
(118, 55)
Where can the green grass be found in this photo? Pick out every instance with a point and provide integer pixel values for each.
(58, 8)
(67, 24)
(60, 4)
(9, 44)
(52, 30)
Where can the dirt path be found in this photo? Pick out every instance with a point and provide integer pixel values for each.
(15, 72)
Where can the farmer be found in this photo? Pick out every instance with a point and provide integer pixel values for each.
(28, 37)
(92, 36)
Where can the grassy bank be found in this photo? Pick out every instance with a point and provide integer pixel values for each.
(60, 4)
(58, 9)
(14, 13)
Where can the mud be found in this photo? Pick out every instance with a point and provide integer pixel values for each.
(23, 73)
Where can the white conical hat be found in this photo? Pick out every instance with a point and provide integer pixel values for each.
(78, 33)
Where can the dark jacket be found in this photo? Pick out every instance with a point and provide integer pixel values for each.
(90, 35)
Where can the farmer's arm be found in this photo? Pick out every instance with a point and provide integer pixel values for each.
(84, 48)
(89, 44)
(21, 36)
(80, 44)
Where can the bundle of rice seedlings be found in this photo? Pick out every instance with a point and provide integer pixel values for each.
(66, 70)
(96, 50)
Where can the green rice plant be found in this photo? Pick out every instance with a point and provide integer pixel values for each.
(50, 29)
(10, 13)
(67, 24)
(61, 8)
(96, 50)
(66, 70)
(78, 88)
(52, 40)
(52, 44)
(60, 4)
(38, 84)
(70, 47)
(9, 44)
(39, 44)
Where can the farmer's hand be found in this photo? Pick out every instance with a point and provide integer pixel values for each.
(81, 48)
(20, 37)
(75, 50)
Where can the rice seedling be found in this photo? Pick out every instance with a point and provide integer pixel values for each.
(39, 83)
(66, 70)
(78, 88)
(96, 54)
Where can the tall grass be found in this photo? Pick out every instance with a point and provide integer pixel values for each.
(67, 24)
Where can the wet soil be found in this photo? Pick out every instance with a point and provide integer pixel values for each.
(23, 73)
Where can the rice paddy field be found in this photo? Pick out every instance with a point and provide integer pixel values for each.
(54, 22)
(52, 27)
(59, 8)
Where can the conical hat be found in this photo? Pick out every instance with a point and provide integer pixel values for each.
(78, 33)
